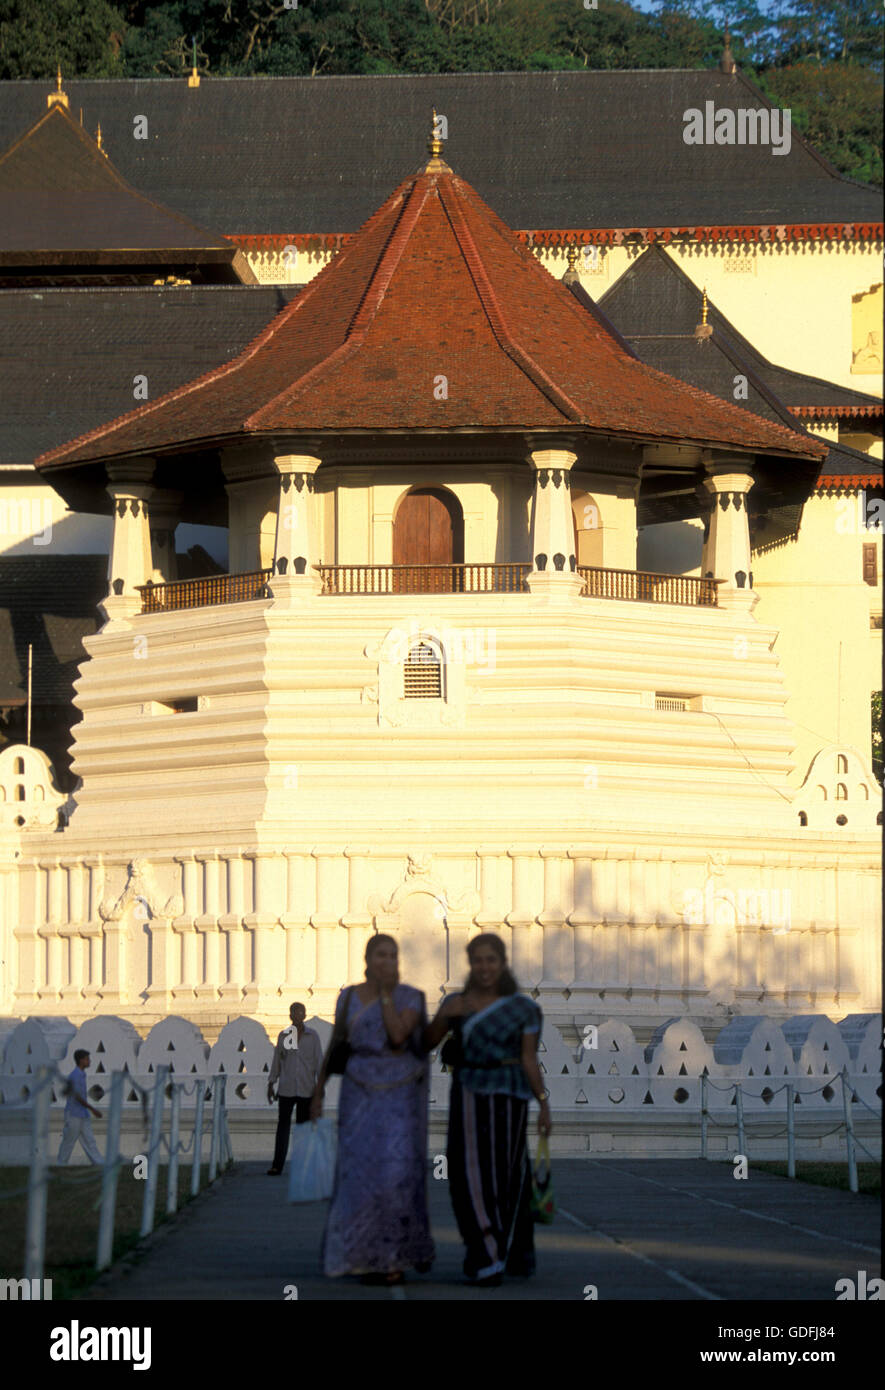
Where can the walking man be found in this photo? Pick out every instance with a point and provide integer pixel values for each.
(77, 1110)
(297, 1059)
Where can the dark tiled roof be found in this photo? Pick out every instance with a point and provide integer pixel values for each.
(68, 357)
(51, 601)
(546, 150)
(62, 201)
(657, 307)
(434, 284)
(48, 601)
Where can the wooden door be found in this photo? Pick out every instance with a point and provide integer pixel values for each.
(427, 531)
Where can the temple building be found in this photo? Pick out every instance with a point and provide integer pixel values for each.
(408, 704)
(417, 574)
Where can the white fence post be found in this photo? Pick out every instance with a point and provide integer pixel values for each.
(198, 1136)
(215, 1142)
(110, 1174)
(172, 1170)
(791, 1132)
(703, 1115)
(153, 1153)
(38, 1176)
(849, 1131)
(228, 1146)
(739, 1104)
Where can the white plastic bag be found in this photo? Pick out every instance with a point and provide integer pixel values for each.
(312, 1161)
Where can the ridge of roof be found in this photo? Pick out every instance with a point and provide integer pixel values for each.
(495, 316)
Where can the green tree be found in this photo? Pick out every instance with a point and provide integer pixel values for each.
(85, 36)
(831, 30)
(838, 108)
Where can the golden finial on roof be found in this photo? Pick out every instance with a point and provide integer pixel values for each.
(438, 134)
(98, 141)
(571, 274)
(704, 330)
(194, 79)
(726, 62)
(58, 97)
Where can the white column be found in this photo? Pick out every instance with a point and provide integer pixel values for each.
(130, 562)
(208, 978)
(296, 548)
(357, 920)
(231, 982)
(300, 953)
(727, 548)
(268, 896)
(526, 967)
(331, 941)
(552, 546)
(585, 920)
(558, 944)
(492, 910)
(164, 515)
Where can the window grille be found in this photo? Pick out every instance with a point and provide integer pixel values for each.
(422, 674)
(671, 702)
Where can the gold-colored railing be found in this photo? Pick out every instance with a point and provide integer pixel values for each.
(648, 588)
(208, 590)
(424, 579)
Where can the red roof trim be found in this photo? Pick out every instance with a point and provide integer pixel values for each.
(837, 412)
(848, 480)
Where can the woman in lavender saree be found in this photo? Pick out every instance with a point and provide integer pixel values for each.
(495, 1073)
(378, 1224)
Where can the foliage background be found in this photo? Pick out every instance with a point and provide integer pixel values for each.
(821, 58)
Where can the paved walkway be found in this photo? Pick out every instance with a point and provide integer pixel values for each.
(662, 1229)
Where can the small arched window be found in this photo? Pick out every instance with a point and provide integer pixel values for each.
(841, 763)
(422, 673)
(803, 818)
(841, 792)
(19, 766)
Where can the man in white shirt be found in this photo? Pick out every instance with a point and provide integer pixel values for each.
(297, 1059)
(77, 1109)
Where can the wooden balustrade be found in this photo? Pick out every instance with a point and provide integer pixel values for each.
(641, 587)
(508, 578)
(425, 579)
(206, 591)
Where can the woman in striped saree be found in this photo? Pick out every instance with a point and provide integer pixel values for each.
(496, 1031)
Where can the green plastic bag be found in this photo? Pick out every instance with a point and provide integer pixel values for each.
(543, 1203)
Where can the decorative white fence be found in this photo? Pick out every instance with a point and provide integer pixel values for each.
(607, 1070)
(48, 1080)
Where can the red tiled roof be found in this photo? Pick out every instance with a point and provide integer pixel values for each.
(434, 285)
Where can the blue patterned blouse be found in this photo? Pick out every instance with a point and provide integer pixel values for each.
(491, 1045)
